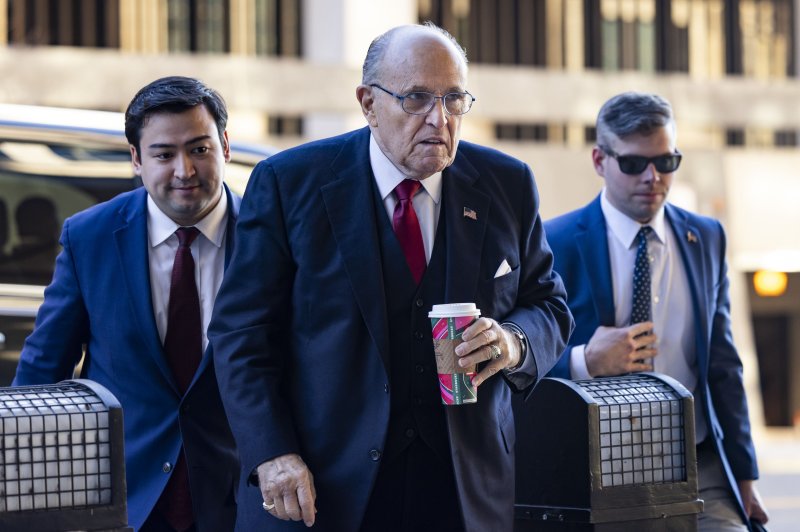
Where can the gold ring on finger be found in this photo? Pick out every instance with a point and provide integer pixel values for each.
(495, 349)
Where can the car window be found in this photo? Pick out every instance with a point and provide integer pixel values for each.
(33, 209)
(43, 182)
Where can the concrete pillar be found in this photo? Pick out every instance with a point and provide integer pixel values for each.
(339, 32)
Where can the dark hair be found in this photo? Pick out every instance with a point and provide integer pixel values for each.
(632, 113)
(377, 49)
(173, 94)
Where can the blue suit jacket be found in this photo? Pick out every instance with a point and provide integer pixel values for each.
(302, 350)
(100, 298)
(580, 247)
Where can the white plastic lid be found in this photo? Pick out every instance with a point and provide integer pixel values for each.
(454, 310)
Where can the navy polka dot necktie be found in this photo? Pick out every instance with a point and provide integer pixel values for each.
(642, 310)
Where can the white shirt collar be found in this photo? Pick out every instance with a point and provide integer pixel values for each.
(212, 226)
(387, 176)
(625, 228)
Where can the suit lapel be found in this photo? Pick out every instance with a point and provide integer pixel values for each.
(466, 211)
(592, 243)
(230, 239)
(131, 243)
(357, 234)
(691, 249)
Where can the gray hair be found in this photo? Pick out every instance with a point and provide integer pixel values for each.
(632, 113)
(377, 49)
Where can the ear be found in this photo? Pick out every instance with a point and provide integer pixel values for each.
(599, 160)
(226, 146)
(366, 98)
(136, 161)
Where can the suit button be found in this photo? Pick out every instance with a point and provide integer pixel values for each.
(410, 433)
(167, 467)
(374, 455)
(419, 302)
(418, 335)
(419, 369)
(386, 388)
(418, 401)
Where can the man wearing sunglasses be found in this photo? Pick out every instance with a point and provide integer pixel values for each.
(648, 287)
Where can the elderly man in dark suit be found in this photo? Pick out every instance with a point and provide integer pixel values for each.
(648, 287)
(321, 336)
(134, 287)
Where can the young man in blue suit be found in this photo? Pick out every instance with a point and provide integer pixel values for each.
(321, 333)
(681, 326)
(141, 320)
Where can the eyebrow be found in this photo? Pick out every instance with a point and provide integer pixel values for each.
(160, 145)
(419, 88)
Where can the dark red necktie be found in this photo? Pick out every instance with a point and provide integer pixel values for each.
(183, 346)
(406, 227)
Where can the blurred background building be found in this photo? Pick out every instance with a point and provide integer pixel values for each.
(540, 70)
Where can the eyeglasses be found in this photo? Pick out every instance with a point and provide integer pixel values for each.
(420, 103)
(636, 164)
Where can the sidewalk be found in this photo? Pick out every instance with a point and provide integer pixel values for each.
(779, 462)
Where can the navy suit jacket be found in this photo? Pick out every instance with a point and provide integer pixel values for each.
(580, 247)
(100, 297)
(301, 347)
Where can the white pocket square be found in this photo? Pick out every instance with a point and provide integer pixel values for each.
(503, 269)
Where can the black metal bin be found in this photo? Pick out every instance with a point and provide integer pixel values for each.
(608, 454)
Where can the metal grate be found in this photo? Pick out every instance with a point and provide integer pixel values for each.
(641, 426)
(56, 448)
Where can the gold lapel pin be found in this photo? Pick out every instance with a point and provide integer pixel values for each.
(691, 237)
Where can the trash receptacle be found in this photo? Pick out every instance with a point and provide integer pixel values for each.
(607, 454)
(62, 462)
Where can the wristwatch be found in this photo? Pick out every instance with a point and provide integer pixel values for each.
(523, 342)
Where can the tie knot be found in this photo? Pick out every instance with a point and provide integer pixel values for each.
(186, 236)
(406, 189)
(644, 232)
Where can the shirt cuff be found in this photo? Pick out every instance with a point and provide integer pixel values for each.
(577, 363)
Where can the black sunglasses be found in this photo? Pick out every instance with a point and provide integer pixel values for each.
(636, 164)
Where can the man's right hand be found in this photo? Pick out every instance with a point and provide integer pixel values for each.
(619, 350)
(287, 483)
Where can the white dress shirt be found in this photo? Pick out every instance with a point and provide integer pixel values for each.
(208, 252)
(671, 300)
(427, 202)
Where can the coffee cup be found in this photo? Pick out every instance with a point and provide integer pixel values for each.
(448, 321)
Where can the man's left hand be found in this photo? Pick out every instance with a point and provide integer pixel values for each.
(753, 504)
(487, 341)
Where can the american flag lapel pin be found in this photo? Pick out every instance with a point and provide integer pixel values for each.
(471, 214)
(691, 237)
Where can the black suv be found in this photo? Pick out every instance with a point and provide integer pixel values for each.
(54, 163)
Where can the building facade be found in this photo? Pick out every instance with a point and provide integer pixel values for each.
(540, 70)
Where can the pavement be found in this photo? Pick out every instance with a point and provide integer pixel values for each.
(778, 451)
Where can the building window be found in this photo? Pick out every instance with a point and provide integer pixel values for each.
(761, 38)
(493, 31)
(285, 126)
(277, 27)
(786, 138)
(198, 25)
(734, 137)
(88, 23)
(522, 132)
